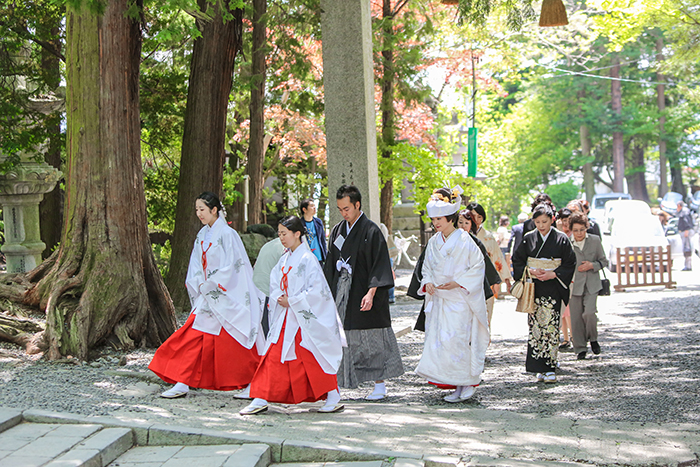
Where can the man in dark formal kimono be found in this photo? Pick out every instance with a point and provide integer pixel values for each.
(359, 274)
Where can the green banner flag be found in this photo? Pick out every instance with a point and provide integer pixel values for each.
(471, 152)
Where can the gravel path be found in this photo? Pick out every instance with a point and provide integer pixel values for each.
(648, 371)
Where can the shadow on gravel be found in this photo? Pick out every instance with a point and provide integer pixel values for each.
(648, 370)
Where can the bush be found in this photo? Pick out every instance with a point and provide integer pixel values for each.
(562, 193)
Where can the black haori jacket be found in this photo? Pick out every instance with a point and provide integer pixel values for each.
(366, 252)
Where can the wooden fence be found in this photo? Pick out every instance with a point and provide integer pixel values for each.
(644, 267)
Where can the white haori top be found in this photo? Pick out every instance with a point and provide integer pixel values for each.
(457, 332)
(299, 275)
(221, 289)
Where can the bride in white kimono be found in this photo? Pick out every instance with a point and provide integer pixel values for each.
(306, 339)
(219, 345)
(456, 326)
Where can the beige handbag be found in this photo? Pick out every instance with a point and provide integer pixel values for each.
(526, 301)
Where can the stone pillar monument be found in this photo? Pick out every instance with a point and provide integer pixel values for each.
(348, 82)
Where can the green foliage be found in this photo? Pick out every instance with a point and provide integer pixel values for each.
(232, 177)
(30, 32)
(562, 193)
(424, 171)
(516, 12)
(162, 254)
(160, 185)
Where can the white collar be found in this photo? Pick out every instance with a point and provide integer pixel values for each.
(355, 223)
(581, 243)
(545, 237)
(209, 230)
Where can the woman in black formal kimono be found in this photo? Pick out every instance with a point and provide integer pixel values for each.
(552, 262)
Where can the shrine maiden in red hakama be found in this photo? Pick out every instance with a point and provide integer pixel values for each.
(218, 346)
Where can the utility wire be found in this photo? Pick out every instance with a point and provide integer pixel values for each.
(578, 73)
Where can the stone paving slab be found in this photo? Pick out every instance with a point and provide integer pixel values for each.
(54, 445)
(250, 455)
(477, 433)
(485, 462)
(110, 443)
(308, 451)
(78, 458)
(31, 461)
(330, 464)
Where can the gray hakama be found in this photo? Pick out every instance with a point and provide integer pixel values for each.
(371, 354)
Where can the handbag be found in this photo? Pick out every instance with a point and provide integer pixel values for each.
(516, 289)
(605, 283)
(526, 301)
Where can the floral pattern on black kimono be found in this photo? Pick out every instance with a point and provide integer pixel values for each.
(543, 338)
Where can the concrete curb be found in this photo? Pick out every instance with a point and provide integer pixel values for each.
(281, 450)
(9, 418)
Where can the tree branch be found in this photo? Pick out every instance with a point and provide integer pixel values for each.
(24, 33)
(399, 6)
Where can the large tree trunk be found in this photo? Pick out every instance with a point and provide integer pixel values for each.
(102, 284)
(51, 207)
(618, 152)
(661, 103)
(203, 154)
(677, 184)
(386, 198)
(257, 147)
(636, 180)
(588, 179)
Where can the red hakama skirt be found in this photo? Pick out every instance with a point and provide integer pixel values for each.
(447, 386)
(292, 382)
(205, 361)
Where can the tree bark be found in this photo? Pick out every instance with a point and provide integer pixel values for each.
(103, 283)
(23, 332)
(636, 180)
(588, 179)
(618, 153)
(677, 184)
(386, 197)
(204, 136)
(256, 148)
(51, 207)
(661, 103)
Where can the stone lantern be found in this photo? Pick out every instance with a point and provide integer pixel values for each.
(22, 188)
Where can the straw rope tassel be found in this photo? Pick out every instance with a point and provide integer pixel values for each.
(553, 13)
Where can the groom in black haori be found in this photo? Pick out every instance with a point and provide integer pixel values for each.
(359, 273)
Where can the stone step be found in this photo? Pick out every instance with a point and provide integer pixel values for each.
(43, 444)
(36, 444)
(98, 450)
(500, 462)
(9, 418)
(331, 464)
(246, 455)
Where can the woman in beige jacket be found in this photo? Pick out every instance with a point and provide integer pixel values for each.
(590, 259)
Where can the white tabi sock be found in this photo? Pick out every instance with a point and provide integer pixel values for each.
(244, 394)
(181, 387)
(257, 402)
(379, 388)
(332, 398)
(378, 393)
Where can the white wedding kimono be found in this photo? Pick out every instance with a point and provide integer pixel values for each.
(221, 289)
(456, 324)
(311, 308)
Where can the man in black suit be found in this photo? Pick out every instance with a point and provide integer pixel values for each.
(516, 233)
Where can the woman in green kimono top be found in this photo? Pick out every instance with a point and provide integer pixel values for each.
(552, 262)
